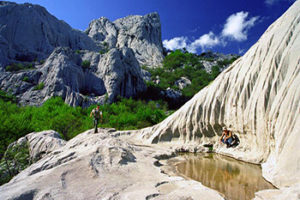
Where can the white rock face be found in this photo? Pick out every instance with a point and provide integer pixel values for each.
(140, 33)
(116, 73)
(183, 82)
(42, 143)
(101, 166)
(29, 32)
(258, 98)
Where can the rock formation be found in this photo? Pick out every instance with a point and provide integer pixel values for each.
(140, 33)
(182, 82)
(258, 98)
(102, 166)
(41, 56)
(28, 32)
(116, 73)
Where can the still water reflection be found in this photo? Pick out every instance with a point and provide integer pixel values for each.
(235, 179)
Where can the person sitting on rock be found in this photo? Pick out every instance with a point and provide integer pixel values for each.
(226, 137)
(97, 114)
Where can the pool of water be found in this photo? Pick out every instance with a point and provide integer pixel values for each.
(237, 180)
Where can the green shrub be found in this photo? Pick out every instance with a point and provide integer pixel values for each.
(103, 51)
(85, 64)
(25, 79)
(179, 64)
(77, 51)
(18, 66)
(7, 97)
(39, 86)
(54, 114)
(16, 159)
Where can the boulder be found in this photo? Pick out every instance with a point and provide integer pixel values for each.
(146, 75)
(140, 33)
(182, 82)
(171, 93)
(26, 150)
(208, 65)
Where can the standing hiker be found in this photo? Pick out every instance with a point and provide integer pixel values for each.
(97, 114)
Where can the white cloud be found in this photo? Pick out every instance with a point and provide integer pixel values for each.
(237, 26)
(205, 41)
(175, 43)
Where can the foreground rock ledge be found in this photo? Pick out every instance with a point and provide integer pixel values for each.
(106, 165)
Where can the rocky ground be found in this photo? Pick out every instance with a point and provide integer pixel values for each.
(107, 165)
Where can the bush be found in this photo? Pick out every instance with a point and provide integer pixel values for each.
(16, 159)
(18, 66)
(39, 86)
(25, 79)
(17, 121)
(181, 63)
(7, 97)
(85, 64)
(103, 51)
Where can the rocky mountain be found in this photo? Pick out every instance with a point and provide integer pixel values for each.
(140, 33)
(42, 56)
(28, 32)
(258, 98)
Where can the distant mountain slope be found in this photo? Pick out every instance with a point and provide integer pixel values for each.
(28, 32)
(41, 56)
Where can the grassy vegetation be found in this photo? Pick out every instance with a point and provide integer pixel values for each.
(184, 64)
(17, 121)
(39, 86)
(14, 67)
(86, 64)
(15, 160)
(25, 79)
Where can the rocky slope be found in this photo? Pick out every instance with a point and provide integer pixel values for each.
(140, 33)
(41, 56)
(116, 73)
(28, 32)
(102, 166)
(258, 98)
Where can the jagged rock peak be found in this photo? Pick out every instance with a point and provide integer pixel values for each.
(29, 32)
(141, 33)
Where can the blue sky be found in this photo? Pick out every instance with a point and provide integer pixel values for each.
(226, 26)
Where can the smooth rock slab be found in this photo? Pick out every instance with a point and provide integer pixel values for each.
(102, 166)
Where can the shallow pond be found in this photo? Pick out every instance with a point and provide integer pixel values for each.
(237, 180)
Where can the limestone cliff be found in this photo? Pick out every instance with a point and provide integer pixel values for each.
(28, 32)
(140, 33)
(117, 73)
(258, 98)
(42, 57)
